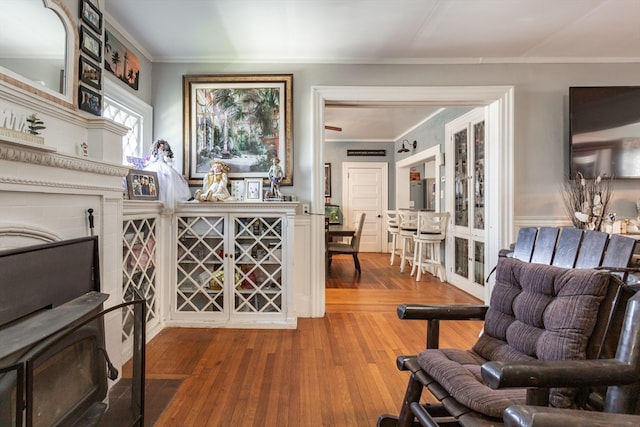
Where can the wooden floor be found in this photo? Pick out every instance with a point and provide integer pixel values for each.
(336, 371)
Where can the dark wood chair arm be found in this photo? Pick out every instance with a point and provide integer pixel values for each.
(441, 312)
(544, 416)
(558, 373)
(433, 314)
(505, 253)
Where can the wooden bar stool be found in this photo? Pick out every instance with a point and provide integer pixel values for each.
(432, 230)
(408, 227)
(393, 227)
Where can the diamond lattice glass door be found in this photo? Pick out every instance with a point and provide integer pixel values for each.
(139, 270)
(201, 264)
(258, 265)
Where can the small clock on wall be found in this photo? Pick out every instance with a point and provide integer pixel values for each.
(237, 189)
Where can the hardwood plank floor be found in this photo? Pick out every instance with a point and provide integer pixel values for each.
(336, 371)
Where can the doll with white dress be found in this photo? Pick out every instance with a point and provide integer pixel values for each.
(173, 187)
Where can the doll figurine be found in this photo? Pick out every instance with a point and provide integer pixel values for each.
(275, 176)
(173, 187)
(214, 184)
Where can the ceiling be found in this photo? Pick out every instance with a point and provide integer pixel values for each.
(380, 32)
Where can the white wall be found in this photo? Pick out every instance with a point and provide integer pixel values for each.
(541, 121)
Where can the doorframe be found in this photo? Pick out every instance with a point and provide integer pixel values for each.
(500, 125)
(384, 197)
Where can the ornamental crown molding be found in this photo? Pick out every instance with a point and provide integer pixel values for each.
(42, 155)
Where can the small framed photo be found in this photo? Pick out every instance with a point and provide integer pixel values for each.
(90, 44)
(142, 185)
(91, 15)
(89, 100)
(90, 73)
(253, 189)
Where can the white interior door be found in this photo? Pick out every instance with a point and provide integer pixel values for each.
(365, 189)
(465, 199)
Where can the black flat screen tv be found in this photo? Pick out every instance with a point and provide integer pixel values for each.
(604, 125)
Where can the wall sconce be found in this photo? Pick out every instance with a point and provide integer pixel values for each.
(404, 149)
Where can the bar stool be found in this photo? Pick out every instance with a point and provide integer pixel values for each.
(393, 227)
(432, 229)
(408, 227)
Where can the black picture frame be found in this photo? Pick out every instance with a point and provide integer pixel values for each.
(89, 100)
(129, 72)
(136, 187)
(327, 180)
(91, 16)
(90, 44)
(90, 73)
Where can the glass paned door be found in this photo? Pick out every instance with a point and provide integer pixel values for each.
(465, 198)
(139, 270)
(461, 144)
(201, 264)
(258, 265)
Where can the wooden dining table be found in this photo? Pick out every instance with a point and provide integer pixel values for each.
(335, 232)
(339, 230)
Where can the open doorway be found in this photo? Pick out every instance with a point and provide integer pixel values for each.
(499, 102)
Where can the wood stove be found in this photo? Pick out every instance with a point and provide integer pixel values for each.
(54, 367)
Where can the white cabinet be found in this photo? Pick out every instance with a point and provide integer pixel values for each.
(233, 265)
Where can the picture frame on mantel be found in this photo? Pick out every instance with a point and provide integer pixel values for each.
(142, 185)
(249, 142)
(253, 189)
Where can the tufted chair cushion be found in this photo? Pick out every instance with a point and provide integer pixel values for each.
(536, 311)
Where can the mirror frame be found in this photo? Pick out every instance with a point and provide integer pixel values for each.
(70, 94)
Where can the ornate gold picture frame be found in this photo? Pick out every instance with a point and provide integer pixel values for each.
(244, 120)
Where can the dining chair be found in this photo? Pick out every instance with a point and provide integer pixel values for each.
(393, 227)
(431, 231)
(349, 248)
(408, 227)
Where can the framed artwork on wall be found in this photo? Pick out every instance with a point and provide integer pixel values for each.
(91, 16)
(245, 120)
(90, 44)
(89, 100)
(327, 180)
(90, 73)
(128, 71)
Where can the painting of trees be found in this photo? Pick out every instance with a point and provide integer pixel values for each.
(120, 61)
(240, 123)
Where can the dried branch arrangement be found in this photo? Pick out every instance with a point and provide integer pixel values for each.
(586, 200)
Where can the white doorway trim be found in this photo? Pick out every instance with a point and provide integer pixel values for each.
(500, 122)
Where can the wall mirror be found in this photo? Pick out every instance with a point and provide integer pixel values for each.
(37, 47)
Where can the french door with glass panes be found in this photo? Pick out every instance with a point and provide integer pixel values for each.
(465, 198)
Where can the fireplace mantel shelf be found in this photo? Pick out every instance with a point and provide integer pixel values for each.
(39, 154)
